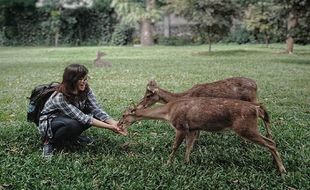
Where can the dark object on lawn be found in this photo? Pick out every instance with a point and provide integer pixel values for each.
(99, 62)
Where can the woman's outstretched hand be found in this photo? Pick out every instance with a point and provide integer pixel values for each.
(109, 124)
(118, 130)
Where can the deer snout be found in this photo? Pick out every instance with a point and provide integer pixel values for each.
(123, 130)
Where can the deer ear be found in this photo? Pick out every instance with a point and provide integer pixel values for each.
(152, 82)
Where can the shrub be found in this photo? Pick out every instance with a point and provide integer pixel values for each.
(122, 35)
(240, 35)
(173, 41)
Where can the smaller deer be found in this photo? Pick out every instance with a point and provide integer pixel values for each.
(240, 88)
(190, 115)
(98, 62)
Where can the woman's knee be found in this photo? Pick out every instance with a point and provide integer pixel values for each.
(68, 125)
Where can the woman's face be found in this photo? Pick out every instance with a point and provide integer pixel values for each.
(81, 84)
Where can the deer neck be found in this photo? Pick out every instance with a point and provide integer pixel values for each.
(160, 113)
(167, 96)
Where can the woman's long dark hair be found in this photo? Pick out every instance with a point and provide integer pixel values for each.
(72, 74)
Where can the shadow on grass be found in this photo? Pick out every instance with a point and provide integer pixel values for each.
(304, 53)
(100, 146)
(229, 53)
(227, 159)
(221, 153)
(296, 61)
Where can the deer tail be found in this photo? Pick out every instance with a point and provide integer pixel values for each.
(263, 114)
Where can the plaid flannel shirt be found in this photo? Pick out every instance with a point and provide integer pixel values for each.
(57, 105)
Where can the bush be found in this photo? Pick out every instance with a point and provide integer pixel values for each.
(2, 38)
(173, 41)
(86, 27)
(240, 35)
(28, 25)
(122, 35)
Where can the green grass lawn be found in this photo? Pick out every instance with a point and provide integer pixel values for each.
(219, 161)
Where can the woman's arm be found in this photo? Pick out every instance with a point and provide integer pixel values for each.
(74, 113)
(70, 110)
(111, 121)
(112, 127)
(95, 108)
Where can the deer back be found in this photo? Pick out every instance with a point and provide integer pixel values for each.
(240, 88)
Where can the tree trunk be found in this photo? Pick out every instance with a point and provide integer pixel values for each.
(209, 40)
(167, 25)
(289, 45)
(57, 29)
(146, 37)
(266, 39)
(209, 46)
(291, 23)
(56, 37)
(80, 35)
(146, 33)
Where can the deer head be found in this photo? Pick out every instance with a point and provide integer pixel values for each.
(100, 54)
(151, 95)
(128, 118)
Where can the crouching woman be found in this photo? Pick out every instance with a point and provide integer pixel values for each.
(72, 109)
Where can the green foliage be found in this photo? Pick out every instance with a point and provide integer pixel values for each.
(18, 23)
(28, 25)
(9, 3)
(211, 19)
(302, 34)
(174, 41)
(240, 35)
(264, 21)
(87, 27)
(134, 11)
(139, 12)
(259, 18)
(138, 161)
(301, 10)
(2, 38)
(21, 23)
(122, 35)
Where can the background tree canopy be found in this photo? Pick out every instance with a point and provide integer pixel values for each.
(122, 22)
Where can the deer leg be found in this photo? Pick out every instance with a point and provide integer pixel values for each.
(276, 155)
(267, 126)
(190, 139)
(179, 137)
(197, 135)
(268, 140)
(254, 136)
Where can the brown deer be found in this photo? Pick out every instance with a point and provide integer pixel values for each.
(190, 115)
(98, 62)
(240, 88)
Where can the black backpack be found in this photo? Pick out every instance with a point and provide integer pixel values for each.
(39, 95)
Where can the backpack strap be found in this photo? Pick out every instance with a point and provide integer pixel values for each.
(51, 112)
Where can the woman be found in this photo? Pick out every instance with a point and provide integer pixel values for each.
(72, 109)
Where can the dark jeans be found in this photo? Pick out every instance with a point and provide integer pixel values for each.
(66, 129)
